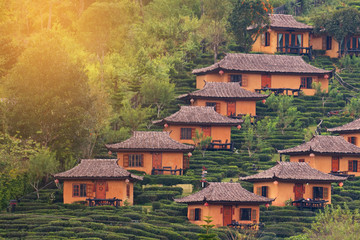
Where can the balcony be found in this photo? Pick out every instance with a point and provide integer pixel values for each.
(217, 145)
(161, 171)
(296, 50)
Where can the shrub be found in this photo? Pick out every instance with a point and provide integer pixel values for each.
(133, 215)
(95, 226)
(156, 205)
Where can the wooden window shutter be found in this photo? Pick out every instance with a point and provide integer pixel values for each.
(142, 160)
(106, 187)
(126, 160)
(89, 190)
(221, 210)
(192, 132)
(253, 214)
(258, 191)
(192, 214)
(217, 107)
(326, 193)
(350, 165)
(263, 36)
(324, 43)
(244, 81)
(76, 190)
(128, 190)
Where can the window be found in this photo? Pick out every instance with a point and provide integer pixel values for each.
(326, 43)
(186, 133)
(245, 214)
(352, 140)
(318, 192)
(136, 160)
(353, 166)
(301, 160)
(236, 78)
(262, 191)
(306, 82)
(216, 106)
(195, 214)
(79, 190)
(267, 39)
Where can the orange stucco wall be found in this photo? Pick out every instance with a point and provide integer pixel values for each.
(316, 43)
(169, 159)
(242, 107)
(254, 81)
(214, 210)
(347, 135)
(323, 163)
(222, 133)
(282, 191)
(258, 46)
(116, 188)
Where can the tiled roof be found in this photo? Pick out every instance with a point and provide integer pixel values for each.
(224, 192)
(263, 63)
(220, 90)
(195, 115)
(324, 145)
(98, 169)
(150, 141)
(349, 127)
(297, 171)
(287, 21)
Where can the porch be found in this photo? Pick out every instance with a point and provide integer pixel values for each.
(92, 202)
(296, 50)
(277, 91)
(216, 145)
(161, 171)
(309, 204)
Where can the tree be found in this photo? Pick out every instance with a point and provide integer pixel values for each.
(339, 24)
(41, 165)
(48, 96)
(208, 226)
(201, 142)
(248, 20)
(354, 107)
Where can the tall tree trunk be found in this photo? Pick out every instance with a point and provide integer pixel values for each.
(215, 52)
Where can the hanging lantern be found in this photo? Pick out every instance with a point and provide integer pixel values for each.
(127, 181)
(56, 181)
(264, 101)
(312, 155)
(221, 72)
(239, 127)
(166, 125)
(341, 184)
(206, 204)
(192, 101)
(189, 154)
(326, 76)
(276, 182)
(267, 206)
(110, 153)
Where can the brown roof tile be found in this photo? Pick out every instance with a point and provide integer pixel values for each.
(296, 171)
(263, 63)
(222, 90)
(150, 141)
(353, 126)
(224, 192)
(288, 22)
(99, 169)
(324, 145)
(195, 115)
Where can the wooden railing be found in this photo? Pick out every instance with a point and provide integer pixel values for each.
(296, 50)
(278, 91)
(217, 145)
(101, 202)
(161, 171)
(309, 204)
(237, 225)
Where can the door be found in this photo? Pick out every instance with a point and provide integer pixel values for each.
(100, 191)
(231, 108)
(335, 164)
(157, 161)
(227, 215)
(265, 81)
(299, 191)
(206, 131)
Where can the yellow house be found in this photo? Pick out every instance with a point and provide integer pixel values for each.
(285, 35)
(351, 45)
(350, 132)
(329, 154)
(228, 99)
(293, 181)
(282, 74)
(225, 203)
(183, 125)
(153, 153)
(98, 179)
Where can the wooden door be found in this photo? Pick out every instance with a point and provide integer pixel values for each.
(335, 164)
(227, 215)
(299, 191)
(157, 160)
(231, 108)
(100, 191)
(265, 80)
(206, 131)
